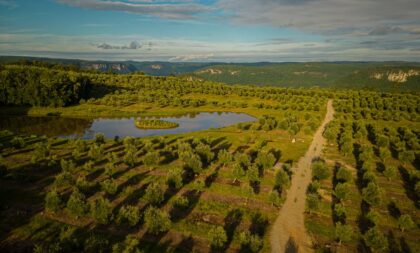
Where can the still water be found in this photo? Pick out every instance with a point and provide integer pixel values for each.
(85, 128)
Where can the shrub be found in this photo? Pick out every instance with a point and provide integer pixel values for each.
(406, 156)
(217, 237)
(343, 175)
(341, 191)
(130, 245)
(405, 222)
(76, 204)
(252, 242)
(53, 201)
(109, 186)
(101, 210)
(343, 233)
(156, 221)
(372, 194)
(390, 172)
(18, 142)
(174, 178)
(312, 202)
(320, 171)
(151, 159)
(224, 157)
(375, 240)
(99, 138)
(129, 215)
(266, 160)
(95, 152)
(154, 194)
(274, 198)
(281, 180)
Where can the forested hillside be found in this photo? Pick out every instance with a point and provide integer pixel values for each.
(376, 76)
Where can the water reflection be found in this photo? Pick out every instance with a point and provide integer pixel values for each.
(110, 127)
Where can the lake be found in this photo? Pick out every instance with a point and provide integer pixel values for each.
(86, 128)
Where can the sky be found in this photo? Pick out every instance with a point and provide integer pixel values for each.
(212, 30)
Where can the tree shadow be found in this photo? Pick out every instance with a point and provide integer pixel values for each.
(291, 246)
(193, 197)
(232, 220)
(393, 210)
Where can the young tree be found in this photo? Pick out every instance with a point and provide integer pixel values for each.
(265, 160)
(204, 151)
(372, 194)
(252, 242)
(217, 237)
(274, 198)
(320, 171)
(343, 233)
(405, 222)
(344, 175)
(384, 153)
(154, 194)
(156, 221)
(224, 157)
(252, 174)
(237, 171)
(174, 178)
(109, 186)
(130, 245)
(312, 202)
(406, 156)
(76, 204)
(41, 152)
(281, 180)
(390, 172)
(95, 152)
(192, 161)
(340, 211)
(53, 201)
(99, 138)
(101, 210)
(151, 159)
(129, 215)
(375, 240)
(342, 191)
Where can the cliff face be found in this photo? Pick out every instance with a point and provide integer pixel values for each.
(399, 76)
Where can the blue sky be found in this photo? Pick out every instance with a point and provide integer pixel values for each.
(212, 30)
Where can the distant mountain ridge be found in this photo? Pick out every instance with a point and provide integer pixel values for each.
(399, 76)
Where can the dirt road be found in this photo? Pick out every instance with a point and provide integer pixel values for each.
(288, 233)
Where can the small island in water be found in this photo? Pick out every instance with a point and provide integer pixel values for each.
(154, 124)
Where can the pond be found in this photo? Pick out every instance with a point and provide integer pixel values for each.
(86, 128)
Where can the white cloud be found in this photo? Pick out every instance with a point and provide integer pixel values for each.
(192, 57)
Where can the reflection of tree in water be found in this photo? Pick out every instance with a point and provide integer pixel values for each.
(50, 126)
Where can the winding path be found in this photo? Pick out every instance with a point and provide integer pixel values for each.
(288, 233)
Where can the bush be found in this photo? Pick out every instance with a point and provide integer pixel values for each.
(95, 152)
(129, 215)
(405, 222)
(18, 142)
(390, 172)
(109, 186)
(154, 194)
(151, 159)
(344, 175)
(76, 204)
(372, 194)
(406, 156)
(320, 171)
(101, 210)
(281, 180)
(53, 201)
(343, 233)
(130, 245)
(224, 157)
(375, 240)
(174, 178)
(265, 160)
(312, 202)
(217, 237)
(156, 221)
(341, 191)
(252, 242)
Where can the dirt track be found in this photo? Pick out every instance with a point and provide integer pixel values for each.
(288, 233)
